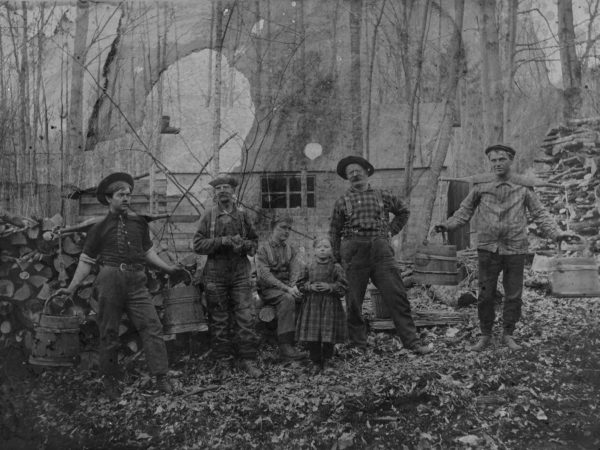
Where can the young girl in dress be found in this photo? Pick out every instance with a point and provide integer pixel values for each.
(322, 320)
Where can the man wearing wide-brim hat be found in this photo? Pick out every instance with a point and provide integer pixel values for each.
(360, 230)
(502, 203)
(120, 244)
(227, 235)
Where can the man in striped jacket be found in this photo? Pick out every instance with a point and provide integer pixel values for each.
(502, 243)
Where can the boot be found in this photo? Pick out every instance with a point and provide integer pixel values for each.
(249, 366)
(418, 349)
(163, 384)
(221, 368)
(482, 343)
(287, 352)
(111, 388)
(508, 340)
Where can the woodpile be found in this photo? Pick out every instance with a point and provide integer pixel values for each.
(36, 260)
(570, 157)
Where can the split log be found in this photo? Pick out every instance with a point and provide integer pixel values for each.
(7, 288)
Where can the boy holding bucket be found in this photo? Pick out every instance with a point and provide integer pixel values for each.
(121, 245)
(502, 240)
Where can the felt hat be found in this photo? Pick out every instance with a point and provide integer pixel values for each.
(345, 162)
(224, 179)
(101, 190)
(501, 148)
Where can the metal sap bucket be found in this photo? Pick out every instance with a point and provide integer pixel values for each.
(379, 307)
(436, 264)
(183, 311)
(55, 340)
(574, 276)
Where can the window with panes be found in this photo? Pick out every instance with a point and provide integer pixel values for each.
(286, 191)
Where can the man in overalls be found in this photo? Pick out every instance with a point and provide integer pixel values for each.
(226, 234)
(277, 270)
(121, 245)
(360, 231)
(502, 244)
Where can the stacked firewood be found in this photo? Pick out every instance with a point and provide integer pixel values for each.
(31, 267)
(570, 157)
(36, 260)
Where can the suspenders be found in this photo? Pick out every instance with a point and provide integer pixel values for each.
(271, 256)
(350, 210)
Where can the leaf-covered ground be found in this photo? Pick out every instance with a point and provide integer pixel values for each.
(546, 396)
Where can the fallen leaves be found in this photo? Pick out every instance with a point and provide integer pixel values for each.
(452, 398)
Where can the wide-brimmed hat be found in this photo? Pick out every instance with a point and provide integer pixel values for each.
(345, 162)
(101, 190)
(501, 148)
(224, 179)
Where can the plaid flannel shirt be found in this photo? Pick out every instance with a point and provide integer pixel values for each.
(365, 220)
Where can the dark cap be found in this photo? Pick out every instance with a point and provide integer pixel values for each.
(501, 148)
(224, 179)
(102, 189)
(279, 218)
(345, 162)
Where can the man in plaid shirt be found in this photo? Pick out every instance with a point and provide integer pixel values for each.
(502, 240)
(360, 230)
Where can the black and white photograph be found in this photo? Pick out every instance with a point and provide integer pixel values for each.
(300, 224)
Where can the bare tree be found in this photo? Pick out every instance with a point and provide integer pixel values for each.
(413, 104)
(454, 58)
(510, 68)
(75, 144)
(370, 79)
(355, 89)
(570, 64)
(216, 133)
(491, 74)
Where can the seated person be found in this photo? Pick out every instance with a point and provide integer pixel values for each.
(277, 270)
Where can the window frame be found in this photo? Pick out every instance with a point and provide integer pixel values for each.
(265, 196)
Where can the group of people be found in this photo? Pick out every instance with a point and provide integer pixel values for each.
(307, 298)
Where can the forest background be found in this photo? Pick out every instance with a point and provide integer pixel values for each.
(84, 87)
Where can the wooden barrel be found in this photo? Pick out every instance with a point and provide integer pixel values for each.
(183, 311)
(436, 264)
(55, 341)
(574, 277)
(379, 307)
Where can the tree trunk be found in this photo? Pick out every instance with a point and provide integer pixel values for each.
(491, 74)
(509, 65)
(413, 110)
(570, 64)
(210, 57)
(75, 144)
(333, 40)
(216, 131)
(455, 58)
(355, 92)
(370, 80)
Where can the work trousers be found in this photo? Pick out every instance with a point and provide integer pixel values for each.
(373, 257)
(125, 291)
(490, 266)
(229, 300)
(285, 307)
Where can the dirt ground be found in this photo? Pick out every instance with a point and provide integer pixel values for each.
(546, 396)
